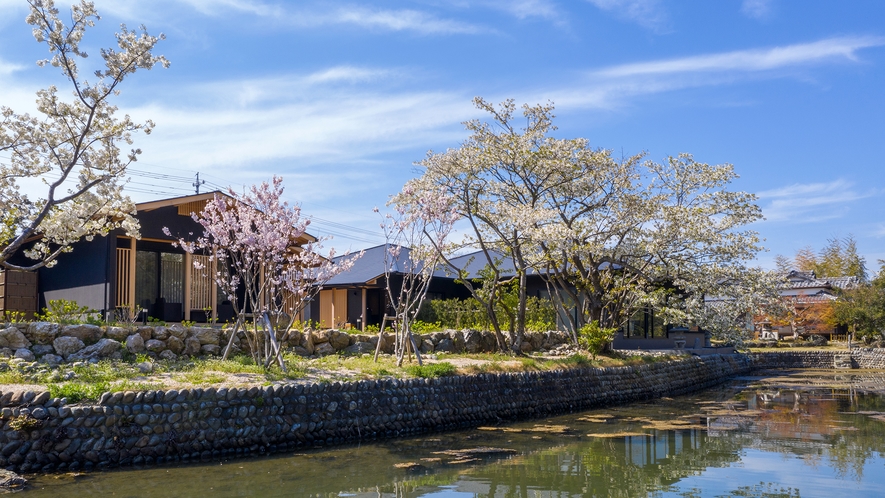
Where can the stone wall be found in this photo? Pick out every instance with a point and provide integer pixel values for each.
(135, 428)
(53, 343)
(866, 358)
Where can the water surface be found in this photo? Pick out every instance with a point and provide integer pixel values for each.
(785, 435)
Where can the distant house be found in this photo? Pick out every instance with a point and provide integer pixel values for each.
(803, 293)
(115, 272)
(358, 297)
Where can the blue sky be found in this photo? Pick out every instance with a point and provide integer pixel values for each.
(341, 98)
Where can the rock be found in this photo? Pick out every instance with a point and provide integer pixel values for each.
(355, 348)
(526, 346)
(51, 359)
(324, 349)
(41, 349)
(146, 332)
(178, 331)
(160, 333)
(117, 333)
(472, 341)
(303, 352)
(191, 346)
(339, 340)
(210, 349)
(445, 346)
(66, 346)
(816, 340)
(154, 345)
(25, 354)
(135, 344)
(206, 336)
(321, 336)
(42, 332)
(89, 334)
(175, 345)
(104, 348)
(11, 481)
(426, 346)
(145, 367)
(168, 355)
(12, 338)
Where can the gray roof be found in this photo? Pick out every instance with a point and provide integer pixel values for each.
(808, 280)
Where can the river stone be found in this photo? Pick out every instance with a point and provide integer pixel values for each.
(339, 340)
(175, 345)
(191, 346)
(135, 344)
(104, 348)
(67, 345)
(89, 334)
(178, 330)
(145, 367)
(11, 481)
(160, 333)
(117, 333)
(206, 336)
(12, 338)
(25, 354)
(154, 345)
(42, 332)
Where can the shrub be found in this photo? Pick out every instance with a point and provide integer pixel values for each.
(595, 338)
(67, 312)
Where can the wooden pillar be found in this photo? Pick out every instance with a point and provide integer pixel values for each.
(213, 289)
(363, 315)
(188, 280)
(131, 292)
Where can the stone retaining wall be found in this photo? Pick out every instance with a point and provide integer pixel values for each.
(134, 428)
(53, 343)
(866, 358)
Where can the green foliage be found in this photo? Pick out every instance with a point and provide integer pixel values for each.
(156, 322)
(431, 370)
(373, 329)
(67, 312)
(471, 314)
(838, 259)
(422, 327)
(25, 423)
(188, 323)
(595, 338)
(13, 316)
(862, 309)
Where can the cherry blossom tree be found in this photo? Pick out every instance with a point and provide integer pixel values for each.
(417, 237)
(259, 249)
(610, 237)
(73, 150)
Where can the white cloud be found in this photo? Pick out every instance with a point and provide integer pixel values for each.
(752, 60)
(7, 68)
(394, 20)
(525, 9)
(810, 202)
(757, 9)
(647, 13)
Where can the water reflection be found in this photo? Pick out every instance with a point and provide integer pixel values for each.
(804, 434)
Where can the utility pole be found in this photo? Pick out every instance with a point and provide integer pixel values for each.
(198, 182)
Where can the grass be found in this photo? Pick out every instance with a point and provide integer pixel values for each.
(431, 370)
(89, 382)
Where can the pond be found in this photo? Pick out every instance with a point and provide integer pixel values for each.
(801, 433)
